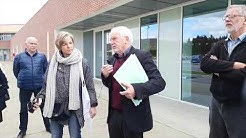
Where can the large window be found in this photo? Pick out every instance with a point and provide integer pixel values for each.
(6, 36)
(107, 46)
(4, 54)
(238, 2)
(88, 48)
(98, 54)
(149, 31)
(202, 27)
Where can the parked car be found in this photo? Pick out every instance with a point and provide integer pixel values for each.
(196, 58)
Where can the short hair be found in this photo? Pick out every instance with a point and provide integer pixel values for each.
(61, 38)
(241, 8)
(30, 38)
(123, 31)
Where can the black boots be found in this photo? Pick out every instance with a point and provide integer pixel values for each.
(21, 134)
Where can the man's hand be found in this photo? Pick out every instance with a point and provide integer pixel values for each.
(238, 65)
(106, 70)
(93, 112)
(129, 92)
(213, 57)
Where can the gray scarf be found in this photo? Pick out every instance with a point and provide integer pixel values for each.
(76, 73)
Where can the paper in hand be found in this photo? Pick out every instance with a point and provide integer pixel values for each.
(131, 72)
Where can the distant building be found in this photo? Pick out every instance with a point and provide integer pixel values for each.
(7, 31)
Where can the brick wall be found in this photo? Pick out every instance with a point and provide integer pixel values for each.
(52, 16)
(5, 44)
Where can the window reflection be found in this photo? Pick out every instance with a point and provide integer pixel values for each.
(98, 54)
(149, 34)
(198, 37)
(107, 46)
(238, 2)
(6, 36)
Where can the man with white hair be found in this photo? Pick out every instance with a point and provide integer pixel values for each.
(125, 120)
(29, 68)
(227, 62)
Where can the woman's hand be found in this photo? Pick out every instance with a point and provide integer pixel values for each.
(93, 112)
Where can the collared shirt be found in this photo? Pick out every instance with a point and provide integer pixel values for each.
(233, 43)
(124, 54)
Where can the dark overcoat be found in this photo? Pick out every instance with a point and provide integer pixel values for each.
(138, 118)
(3, 90)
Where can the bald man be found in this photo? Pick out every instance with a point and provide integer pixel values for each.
(29, 68)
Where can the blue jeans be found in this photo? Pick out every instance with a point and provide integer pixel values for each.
(73, 127)
(24, 97)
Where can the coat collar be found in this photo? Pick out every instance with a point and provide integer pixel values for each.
(111, 59)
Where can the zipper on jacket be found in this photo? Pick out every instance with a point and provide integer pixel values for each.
(32, 72)
(228, 55)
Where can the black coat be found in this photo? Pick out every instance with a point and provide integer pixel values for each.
(3, 90)
(139, 118)
(227, 86)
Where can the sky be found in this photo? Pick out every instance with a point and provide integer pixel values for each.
(201, 25)
(19, 11)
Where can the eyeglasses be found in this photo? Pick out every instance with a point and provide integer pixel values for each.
(231, 16)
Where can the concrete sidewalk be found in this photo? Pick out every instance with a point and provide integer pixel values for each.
(172, 119)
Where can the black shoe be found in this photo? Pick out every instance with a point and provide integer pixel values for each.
(48, 130)
(21, 134)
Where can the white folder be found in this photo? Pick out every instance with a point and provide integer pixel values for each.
(131, 72)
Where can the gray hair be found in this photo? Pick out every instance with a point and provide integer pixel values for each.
(30, 38)
(241, 9)
(123, 31)
(61, 38)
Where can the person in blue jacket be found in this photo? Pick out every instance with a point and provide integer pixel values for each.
(4, 95)
(29, 68)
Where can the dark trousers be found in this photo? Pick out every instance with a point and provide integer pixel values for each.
(118, 128)
(1, 117)
(24, 97)
(227, 121)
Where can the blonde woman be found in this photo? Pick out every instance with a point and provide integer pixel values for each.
(68, 93)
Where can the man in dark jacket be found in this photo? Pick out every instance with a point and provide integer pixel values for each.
(125, 119)
(226, 61)
(29, 68)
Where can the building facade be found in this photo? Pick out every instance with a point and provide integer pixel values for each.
(7, 31)
(177, 33)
